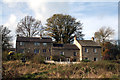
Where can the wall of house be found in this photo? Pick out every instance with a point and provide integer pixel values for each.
(29, 47)
(68, 53)
(79, 46)
(91, 54)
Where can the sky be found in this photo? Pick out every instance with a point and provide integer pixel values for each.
(93, 14)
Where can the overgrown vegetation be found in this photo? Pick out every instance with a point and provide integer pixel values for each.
(100, 69)
(38, 58)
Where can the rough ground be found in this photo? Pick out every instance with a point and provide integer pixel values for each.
(101, 69)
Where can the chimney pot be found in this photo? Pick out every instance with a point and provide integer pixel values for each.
(40, 36)
(17, 35)
(92, 38)
(75, 38)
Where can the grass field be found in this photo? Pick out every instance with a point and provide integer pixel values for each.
(100, 69)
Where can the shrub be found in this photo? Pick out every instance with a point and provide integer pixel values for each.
(5, 56)
(17, 56)
(85, 60)
(38, 58)
(28, 56)
(57, 58)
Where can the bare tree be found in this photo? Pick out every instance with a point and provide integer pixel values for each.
(103, 34)
(29, 27)
(6, 37)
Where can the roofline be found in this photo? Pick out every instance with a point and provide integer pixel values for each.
(64, 49)
(91, 46)
(34, 41)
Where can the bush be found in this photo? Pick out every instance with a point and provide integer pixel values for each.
(17, 56)
(57, 58)
(85, 60)
(5, 56)
(38, 58)
(28, 56)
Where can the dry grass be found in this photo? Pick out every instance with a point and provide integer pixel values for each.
(16, 69)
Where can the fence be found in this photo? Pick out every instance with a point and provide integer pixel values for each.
(55, 62)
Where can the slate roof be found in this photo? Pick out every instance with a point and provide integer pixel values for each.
(65, 46)
(34, 39)
(89, 43)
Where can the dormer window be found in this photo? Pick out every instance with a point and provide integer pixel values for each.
(36, 43)
(21, 43)
(44, 44)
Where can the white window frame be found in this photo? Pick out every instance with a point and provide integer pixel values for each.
(36, 43)
(44, 50)
(62, 53)
(86, 49)
(96, 58)
(68, 59)
(95, 50)
(44, 44)
(87, 58)
(47, 58)
(35, 51)
(75, 53)
(21, 43)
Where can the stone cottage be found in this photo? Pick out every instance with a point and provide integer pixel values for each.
(34, 45)
(79, 50)
(89, 49)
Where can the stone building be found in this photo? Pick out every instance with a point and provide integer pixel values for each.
(89, 49)
(69, 51)
(81, 49)
(34, 45)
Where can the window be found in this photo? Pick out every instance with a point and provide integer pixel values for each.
(22, 51)
(36, 50)
(86, 58)
(36, 44)
(21, 43)
(44, 50)
(49, 50)
(68, 59)
(74, 59)
(95, 59)
(86, 50)
(44, 44)
(61, 53)
(47, 58)
(95, 50)
(75, 53)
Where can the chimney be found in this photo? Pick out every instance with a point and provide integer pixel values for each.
(40, 36)
(75, 38)
(92, 38)
(17, 35)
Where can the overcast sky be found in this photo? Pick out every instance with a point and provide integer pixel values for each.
(93, 14)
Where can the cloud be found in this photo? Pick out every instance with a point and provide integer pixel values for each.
(43, 10)
(11, 24)
(11, 21)
(92, 24)
(8, 1)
